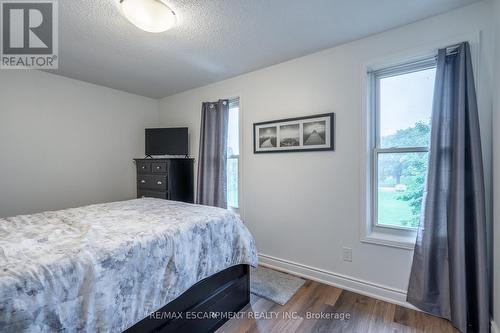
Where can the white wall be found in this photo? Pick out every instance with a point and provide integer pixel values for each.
(496, 166)
(66, 143)
(304, 207)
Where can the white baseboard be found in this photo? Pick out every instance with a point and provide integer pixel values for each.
(494, 327)
(362, 287)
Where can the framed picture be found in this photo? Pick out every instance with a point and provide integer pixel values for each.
(311, 133)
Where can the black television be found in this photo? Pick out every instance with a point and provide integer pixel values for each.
(167, 141)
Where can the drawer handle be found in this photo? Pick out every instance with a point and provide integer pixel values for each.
(143, 181)
(158, 167)
(159, 182)
(143, 167)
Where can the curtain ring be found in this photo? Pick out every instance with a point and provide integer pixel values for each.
(224, 103)
(211, 106)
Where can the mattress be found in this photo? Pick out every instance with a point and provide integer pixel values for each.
(104, 267)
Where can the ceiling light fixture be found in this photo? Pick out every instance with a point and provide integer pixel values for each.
(149, 15)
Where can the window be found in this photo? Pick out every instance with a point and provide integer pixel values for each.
(233, 154)
(401, 106)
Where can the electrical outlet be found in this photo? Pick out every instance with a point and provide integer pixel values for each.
(347, 254)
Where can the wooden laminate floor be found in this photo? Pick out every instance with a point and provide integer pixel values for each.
(301, 314)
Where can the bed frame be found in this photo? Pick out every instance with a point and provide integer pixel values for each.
(199, 309)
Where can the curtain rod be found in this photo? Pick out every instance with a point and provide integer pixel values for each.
(453, 49)
(450, 50)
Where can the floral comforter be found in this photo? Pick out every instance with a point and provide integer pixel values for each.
(104, 267)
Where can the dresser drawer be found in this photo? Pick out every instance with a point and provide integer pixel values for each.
(152, 182)
(151, 194)
(159, 167)
(143, 167)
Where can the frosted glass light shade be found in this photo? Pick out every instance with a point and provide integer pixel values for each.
(149, 15)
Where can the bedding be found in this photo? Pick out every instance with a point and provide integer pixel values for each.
(104, 267)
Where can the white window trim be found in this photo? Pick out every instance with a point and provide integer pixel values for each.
(375, 233)
(240, 123)
(392, 238)
(241, 184)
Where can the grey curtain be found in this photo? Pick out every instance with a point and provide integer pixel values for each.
(449, 273)
(212, 183)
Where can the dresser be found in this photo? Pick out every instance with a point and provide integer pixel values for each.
(166, 178)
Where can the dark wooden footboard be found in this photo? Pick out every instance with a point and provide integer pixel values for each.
(204, 307)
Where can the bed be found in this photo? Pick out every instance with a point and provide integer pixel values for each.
(123, 266)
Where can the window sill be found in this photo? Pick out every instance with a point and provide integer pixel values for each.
(406, 242)
(234, 210)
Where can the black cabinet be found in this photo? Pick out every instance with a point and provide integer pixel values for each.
(169, 178)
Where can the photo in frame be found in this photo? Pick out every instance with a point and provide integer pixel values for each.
(310, 133)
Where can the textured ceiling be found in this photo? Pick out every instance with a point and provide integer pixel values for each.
(216, 39)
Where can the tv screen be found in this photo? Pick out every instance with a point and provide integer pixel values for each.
(167, 141)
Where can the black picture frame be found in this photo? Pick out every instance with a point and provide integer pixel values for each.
(274, 141)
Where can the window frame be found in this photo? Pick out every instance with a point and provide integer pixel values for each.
(379, 233)
(233, 101)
